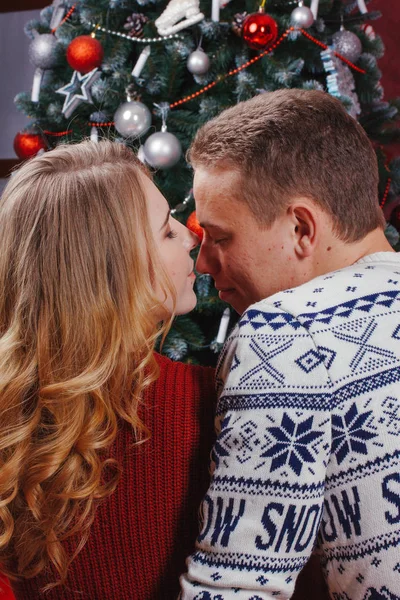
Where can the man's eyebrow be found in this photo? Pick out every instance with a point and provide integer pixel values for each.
(207, 225)
(166, 220)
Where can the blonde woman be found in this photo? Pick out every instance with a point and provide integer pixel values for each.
(102, 467)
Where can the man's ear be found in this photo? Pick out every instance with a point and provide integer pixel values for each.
(303, 218)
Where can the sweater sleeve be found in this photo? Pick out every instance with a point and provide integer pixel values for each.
(263, 508)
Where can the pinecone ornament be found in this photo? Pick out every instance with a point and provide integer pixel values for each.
(135, 24)
(237, 23)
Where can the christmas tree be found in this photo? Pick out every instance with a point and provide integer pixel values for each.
(149, 73)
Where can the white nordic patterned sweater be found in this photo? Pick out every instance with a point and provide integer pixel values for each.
(308, 452)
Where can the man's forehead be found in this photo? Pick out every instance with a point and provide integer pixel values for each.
(208, 177)
(215, 209)
(214, 189)
(222, 213)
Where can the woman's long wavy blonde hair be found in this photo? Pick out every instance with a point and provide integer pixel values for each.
(78, 265)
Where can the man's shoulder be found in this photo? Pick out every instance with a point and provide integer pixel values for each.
(362, 280)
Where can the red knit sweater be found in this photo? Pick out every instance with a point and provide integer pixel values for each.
(143, 532)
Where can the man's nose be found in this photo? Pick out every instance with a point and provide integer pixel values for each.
(205, 263)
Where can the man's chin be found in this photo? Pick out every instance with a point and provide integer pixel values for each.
(231, 297)
(227, 296)
(239, 305)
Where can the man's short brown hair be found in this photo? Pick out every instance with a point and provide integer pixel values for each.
(292, 143)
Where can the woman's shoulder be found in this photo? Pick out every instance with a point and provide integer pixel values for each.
(185, 378)
(179, 368)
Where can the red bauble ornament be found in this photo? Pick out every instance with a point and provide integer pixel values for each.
(85, 54)
(193, 224)
(259, 30)
(27, 145)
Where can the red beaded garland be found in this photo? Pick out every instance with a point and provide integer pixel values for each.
(57, 133)
(193, 224)
(27, 145)
(259, 30)
(85, 53)
(386, 193)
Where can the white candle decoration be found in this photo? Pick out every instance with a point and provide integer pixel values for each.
(362, 6)
(37, 81)
(141, 155)
(94, 134)
(314, 8)
(223, 326)
(58, 13)
(215, 10)
(141, 61)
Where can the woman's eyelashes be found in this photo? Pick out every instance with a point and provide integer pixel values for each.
(172, 234)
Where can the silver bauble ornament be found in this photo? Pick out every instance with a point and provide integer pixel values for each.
(132, 119)
(302, 17)
(162, 150)
(347, 44)
(198, 62)
(44, 51)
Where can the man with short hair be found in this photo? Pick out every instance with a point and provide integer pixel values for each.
(308, 416)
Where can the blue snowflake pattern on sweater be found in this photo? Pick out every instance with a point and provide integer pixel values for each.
(293, 444)
(350, 432)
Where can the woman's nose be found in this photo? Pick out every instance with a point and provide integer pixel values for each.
(190, 240)
(203, 262)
